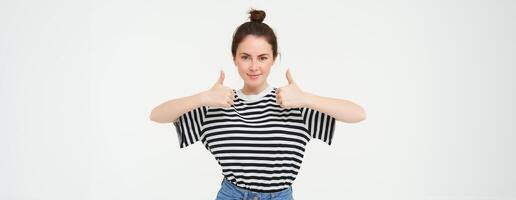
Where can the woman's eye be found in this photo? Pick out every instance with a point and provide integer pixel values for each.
(264, 58)
(244, 57)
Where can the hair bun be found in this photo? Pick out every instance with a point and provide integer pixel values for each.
(257, 15)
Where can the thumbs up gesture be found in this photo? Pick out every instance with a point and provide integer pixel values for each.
(290, 96)
(219, 95)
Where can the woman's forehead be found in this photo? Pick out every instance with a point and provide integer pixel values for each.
(254, 45)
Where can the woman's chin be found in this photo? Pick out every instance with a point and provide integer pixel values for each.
(255, 82)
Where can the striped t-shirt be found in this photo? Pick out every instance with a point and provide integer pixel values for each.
(258, 144)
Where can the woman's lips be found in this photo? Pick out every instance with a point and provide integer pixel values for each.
(254, 76)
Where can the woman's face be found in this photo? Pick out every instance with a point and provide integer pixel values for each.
(254, 59)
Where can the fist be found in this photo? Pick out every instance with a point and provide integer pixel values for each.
(219, 95)
(290, 96)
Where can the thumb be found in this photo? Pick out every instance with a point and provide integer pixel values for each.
(289, 77)
(221, 77)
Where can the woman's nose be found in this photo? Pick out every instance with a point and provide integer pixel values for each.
(253, 66)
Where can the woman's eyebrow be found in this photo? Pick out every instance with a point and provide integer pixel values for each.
(264, 54)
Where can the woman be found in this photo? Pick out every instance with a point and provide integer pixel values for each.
(258, 133)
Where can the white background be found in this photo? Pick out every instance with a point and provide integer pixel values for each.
(78, 80)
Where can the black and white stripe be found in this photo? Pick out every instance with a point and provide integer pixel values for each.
(259, 145)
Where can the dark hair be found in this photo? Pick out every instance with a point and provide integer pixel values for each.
(257, 28)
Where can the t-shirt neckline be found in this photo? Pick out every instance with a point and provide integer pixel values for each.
(254, 97)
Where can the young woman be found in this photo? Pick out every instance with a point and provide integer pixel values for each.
(258, 133)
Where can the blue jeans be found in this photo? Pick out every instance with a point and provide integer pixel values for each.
(230, 191)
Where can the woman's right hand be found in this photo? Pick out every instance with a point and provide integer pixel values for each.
(219, 95)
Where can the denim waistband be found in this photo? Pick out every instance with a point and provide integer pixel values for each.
(248, 193)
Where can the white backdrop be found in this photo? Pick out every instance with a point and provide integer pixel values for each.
(78, 80)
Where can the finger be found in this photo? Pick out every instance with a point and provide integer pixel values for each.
(229, 102)
(221, 77)
(229, 99)
(289, 77)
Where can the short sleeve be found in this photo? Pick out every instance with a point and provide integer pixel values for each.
(320, 125)
(189, 126)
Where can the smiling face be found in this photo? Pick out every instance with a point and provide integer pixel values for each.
(254, 60)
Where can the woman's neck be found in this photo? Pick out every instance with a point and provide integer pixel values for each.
(254, 90)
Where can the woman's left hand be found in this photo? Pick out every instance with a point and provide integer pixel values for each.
(291, 96)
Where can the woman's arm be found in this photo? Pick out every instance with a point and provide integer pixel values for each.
(342, 110)
(171, 110)
(217, 95)
(291, 96)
